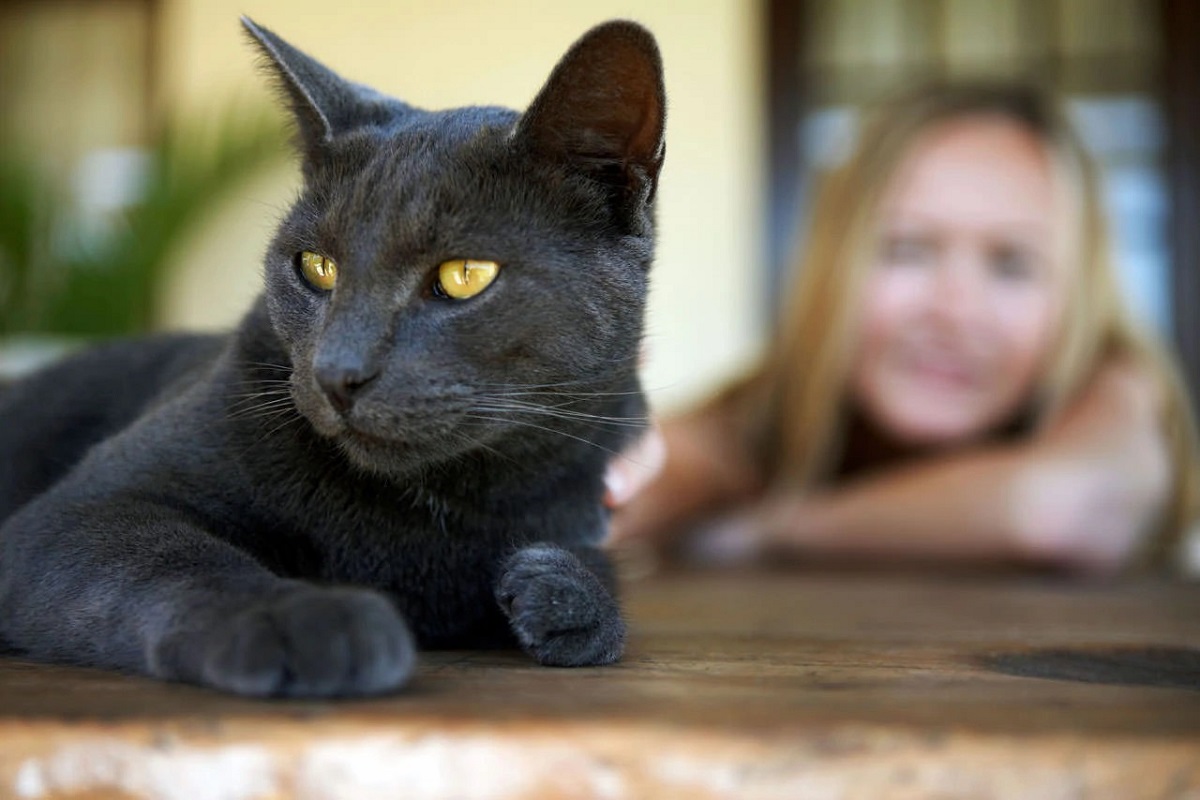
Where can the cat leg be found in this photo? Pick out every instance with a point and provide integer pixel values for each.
(562, 610)
(136, 586)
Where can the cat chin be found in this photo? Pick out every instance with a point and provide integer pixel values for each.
(374, 446)
(382, 457)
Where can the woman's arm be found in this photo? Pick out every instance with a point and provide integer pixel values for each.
(1081, 495)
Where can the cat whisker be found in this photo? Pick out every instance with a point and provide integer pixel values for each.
(267, 398)
(545, 388)
(262, 416)
(263, 382)
(290, 419)
(553, 385)
(555, 400)
(512, 421)
(278, 391)
(514, 400)
(565, 404)
(476, 443)
(265, 391)
(253, 403)
(270, 387)
(602, 424)
(565, 414)
(584, 381)
(267, 365)
(577, 396)
(266, 409)
(560, 409)
(257, 397)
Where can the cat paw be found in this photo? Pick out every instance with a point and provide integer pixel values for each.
(313, 642)
(559, 610)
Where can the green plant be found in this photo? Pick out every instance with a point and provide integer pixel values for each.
(58, 276)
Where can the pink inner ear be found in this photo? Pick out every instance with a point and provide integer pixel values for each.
(604, 99)
(646, 140)
(638, 91)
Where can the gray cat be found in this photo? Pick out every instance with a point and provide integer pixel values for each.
(404, 440)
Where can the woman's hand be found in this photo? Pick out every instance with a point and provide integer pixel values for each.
(679, 473)
(630, 471)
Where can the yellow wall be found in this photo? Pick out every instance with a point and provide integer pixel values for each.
(452, 52)
(88, 51)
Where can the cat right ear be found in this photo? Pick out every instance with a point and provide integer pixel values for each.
(603, 110)
(323, 103)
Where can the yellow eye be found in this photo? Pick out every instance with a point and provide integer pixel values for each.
(465, 278)
(318, 270)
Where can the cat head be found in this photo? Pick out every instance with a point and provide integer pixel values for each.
(467, 278)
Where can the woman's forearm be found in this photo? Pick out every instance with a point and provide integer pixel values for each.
(1081, 496)
(955, 509)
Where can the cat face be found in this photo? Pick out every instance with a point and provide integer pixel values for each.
(466, 278)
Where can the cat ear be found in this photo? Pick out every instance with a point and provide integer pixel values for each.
(603, 109)
(323, 103)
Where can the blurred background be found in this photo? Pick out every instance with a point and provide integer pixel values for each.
(143, 164)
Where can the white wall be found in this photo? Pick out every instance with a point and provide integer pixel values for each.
(451, 52)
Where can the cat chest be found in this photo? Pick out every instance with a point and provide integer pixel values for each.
(439, 567)
(442, 580)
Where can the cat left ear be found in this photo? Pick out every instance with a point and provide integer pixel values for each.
(603, 109)
(323, 103)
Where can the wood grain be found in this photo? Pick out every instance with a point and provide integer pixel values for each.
(737, 685)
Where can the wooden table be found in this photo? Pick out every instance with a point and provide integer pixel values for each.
(735, 685)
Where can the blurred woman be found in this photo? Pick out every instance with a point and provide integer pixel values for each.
(955, 378)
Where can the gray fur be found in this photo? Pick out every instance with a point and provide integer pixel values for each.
(195, 507)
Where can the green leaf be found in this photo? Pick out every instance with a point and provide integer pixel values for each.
(57, 276)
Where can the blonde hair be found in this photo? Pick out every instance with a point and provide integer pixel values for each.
(800, 391)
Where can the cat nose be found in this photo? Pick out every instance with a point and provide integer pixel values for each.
(340, 383)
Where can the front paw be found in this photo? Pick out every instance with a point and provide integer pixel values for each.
(312, 642)
(559, 610)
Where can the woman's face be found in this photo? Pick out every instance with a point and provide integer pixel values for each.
(962, 303)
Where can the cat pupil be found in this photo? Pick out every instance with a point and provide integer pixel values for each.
(463, 279)
(320, 272)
